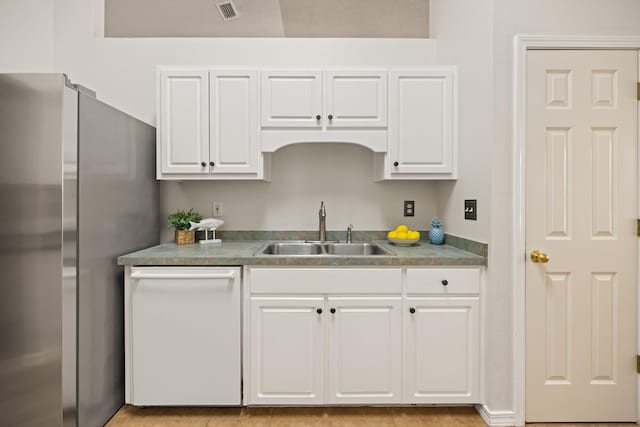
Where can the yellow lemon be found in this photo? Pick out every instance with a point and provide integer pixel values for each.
(402, 227)
(392, 235)
(413, 234)
(401, 234)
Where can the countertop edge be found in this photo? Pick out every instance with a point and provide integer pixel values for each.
(170, 256)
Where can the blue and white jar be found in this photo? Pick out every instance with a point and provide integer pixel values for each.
(436, 235)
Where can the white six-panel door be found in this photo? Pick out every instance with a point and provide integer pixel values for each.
(184, 121)
(234, 126)
(581, 211)
(365, 343)
(441, 343)
(287, 350)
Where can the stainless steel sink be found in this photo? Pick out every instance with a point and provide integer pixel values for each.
(355, 249)
(292, 248)
(322, 249)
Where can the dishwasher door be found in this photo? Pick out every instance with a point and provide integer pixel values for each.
(184, 336)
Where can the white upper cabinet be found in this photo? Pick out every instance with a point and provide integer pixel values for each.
(336, 105)
(183, 130)
(234, 131)
(422, 126)
(225, 123)
(292, 98)
(356, 98)
(208, 125)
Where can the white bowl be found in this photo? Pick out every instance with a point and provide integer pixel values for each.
(403, 242)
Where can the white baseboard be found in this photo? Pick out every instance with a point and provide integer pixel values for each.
(496, 418)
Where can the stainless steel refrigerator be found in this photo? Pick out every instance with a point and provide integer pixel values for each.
(77, 189)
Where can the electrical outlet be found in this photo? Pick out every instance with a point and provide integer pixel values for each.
(217, 209)
(409, 208)
(471, 210)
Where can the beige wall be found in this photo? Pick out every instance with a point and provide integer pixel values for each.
(268, 18)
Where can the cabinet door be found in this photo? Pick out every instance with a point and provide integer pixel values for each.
(441, 341)
(287, 351)
(185, 336)
(421, 122)
(234, 122)
(184, 122)
(364, 350)
(356, 98)
(291, 98)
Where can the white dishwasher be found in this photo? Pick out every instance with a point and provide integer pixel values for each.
(183, 336)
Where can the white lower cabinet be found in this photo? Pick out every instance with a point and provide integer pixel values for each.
(441, 343)
(287, 350)
(364, 350)
(289, 354)
(363, 336)
(313, 335)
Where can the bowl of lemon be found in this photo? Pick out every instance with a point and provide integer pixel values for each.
(402, 236)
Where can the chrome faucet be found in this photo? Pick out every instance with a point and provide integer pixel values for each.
(349, 228)
(322, 234)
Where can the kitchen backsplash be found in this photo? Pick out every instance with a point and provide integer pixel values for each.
(303, 175)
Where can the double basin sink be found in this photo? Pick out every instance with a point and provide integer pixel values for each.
(323, 248)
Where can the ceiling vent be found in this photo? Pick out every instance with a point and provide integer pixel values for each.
(228, 10)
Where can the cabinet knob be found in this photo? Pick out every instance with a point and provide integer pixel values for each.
(333, 310)
(445, 282)
(330, 117)
(212, 164)
(319, 311)
(203, 164)
(318, 117)
(412, 310)
(395, 164)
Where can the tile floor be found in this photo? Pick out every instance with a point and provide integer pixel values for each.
(130, 416)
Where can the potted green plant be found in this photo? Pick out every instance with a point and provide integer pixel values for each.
(180, 220)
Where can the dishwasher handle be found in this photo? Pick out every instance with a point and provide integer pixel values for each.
(148, 275)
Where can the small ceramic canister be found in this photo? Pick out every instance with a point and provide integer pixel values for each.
(436, 235)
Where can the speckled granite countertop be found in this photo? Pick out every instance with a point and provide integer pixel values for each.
(241, 252)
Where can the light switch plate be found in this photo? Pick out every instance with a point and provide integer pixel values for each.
(471, 210)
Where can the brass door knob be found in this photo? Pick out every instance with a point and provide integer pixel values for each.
(538, 256)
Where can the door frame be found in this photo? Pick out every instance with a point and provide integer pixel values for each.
(521, 44)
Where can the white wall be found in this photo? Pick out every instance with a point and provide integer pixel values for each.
(560, 17)
(476, 35)
(303, 175)
(462, 30)
(123, 73)
(26, 36)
